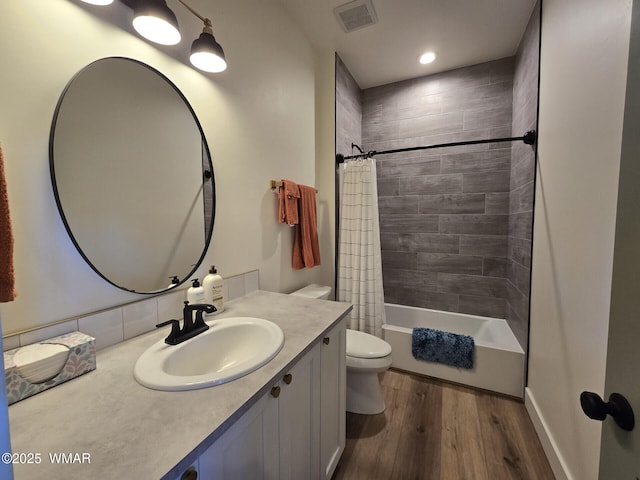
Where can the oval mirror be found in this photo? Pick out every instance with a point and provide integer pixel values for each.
(132, 175)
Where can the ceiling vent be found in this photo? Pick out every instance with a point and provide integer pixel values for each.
(354, 15)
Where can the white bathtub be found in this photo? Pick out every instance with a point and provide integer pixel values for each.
(498, 362)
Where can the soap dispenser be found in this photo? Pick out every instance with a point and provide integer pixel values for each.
(213, 289)
(195, 293)
(175, 281)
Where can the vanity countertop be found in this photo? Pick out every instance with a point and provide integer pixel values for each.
(129, 431)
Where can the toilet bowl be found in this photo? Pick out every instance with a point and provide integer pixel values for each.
(367, 356)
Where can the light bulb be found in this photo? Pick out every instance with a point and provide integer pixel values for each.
(156, 30)
(208, 62)
(428, 57)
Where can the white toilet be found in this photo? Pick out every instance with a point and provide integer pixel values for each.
(367, 356)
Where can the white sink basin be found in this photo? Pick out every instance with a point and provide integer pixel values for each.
(231, 348)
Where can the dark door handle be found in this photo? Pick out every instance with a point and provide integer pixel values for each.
(618, 407)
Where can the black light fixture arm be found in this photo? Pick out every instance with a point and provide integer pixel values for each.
(205, 20)
(528, 138)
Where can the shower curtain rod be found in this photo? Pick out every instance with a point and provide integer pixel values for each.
(529, 138)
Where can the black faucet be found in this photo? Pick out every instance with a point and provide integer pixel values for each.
(189, 327)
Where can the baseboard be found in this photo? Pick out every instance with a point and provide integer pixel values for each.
(558, 466)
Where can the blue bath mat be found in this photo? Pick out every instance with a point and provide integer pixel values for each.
(443, 347)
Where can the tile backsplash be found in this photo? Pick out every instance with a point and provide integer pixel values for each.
(117, 324)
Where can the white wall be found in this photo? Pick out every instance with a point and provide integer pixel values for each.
(583, 76)
(258, 117)
(326, 160)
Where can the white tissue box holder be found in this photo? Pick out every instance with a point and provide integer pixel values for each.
(81, 359)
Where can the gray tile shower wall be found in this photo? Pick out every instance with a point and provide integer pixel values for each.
(348, 110)
(521, 189)
(444, 214)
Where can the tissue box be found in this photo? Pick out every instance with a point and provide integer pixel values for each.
(34, 368)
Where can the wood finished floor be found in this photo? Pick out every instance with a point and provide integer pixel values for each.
(439, 431)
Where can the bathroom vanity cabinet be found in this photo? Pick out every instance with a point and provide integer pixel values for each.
(255, 426)
(333, 398)
(294, 431)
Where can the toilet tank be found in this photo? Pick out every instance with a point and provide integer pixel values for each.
(314, 291)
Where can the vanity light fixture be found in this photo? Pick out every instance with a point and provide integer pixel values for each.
(426, 58)
(160, 25)
(156, 22)
(206, 52)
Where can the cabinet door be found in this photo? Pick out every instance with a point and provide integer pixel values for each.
(299, 411)
(334, 401)
(249, 449)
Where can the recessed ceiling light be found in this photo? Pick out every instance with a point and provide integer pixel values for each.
(427, 58)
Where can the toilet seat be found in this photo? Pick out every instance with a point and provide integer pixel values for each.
(369, 364)
(366, 346)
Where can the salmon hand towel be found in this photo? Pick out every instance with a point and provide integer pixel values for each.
(306, 251)
(288, 195)
(7, 278)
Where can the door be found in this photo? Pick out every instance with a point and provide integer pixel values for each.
(620, 450)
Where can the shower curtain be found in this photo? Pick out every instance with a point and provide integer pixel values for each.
(359, 255)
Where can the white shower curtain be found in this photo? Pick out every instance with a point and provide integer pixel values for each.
(359, 256)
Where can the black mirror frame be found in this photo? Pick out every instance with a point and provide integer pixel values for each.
(207, 175)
